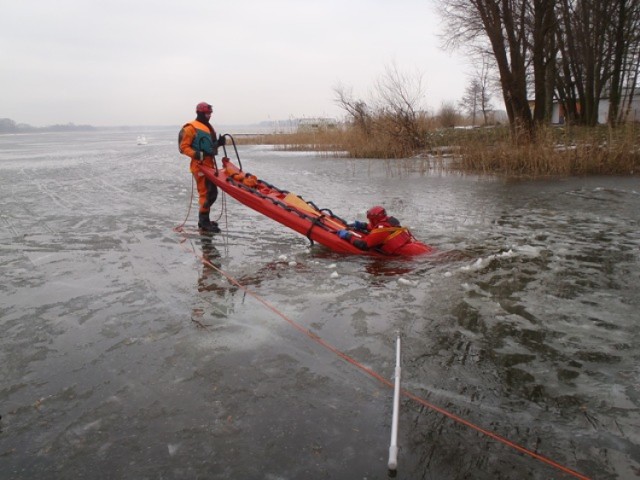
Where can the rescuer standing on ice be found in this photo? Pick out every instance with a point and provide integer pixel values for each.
(198, 140)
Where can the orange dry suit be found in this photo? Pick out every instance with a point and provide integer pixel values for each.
(195, 137)
(387, 236)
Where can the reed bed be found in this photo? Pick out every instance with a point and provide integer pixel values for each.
(556, 151)
(320, 140)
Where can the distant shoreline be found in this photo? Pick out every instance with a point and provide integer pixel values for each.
(8, 126)
(235, 130)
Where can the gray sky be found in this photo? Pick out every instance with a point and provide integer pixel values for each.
(143, 62)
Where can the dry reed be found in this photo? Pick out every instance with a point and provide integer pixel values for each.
(556, 151)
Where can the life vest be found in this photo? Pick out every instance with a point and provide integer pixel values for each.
(203, 139)
(397, 239)
(389, 239)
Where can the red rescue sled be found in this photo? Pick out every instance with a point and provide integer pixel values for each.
(291, 210)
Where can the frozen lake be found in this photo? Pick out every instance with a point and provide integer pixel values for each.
(123, 355)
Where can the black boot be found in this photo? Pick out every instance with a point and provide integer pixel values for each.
(205, 225)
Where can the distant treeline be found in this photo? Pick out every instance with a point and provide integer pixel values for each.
(9, 126)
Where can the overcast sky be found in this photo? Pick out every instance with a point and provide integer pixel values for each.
(143, 62)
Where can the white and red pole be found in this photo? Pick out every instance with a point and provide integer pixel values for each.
(393, 448)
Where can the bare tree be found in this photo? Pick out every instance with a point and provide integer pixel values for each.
(400, 98)
(357, 110)
(599, 46)
(586, 56)
(505, 24)
(633, 77)
(478, 94)
(471, 99)
(543, 55)
(625, 59)
(574, 50)
(394, 116)
(448, 115)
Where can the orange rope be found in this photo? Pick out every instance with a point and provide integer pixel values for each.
(389, 383)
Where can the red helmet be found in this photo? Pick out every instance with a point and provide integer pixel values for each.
(376, 214)
(203, 107)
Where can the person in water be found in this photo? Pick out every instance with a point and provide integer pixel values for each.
(382, 232)
(197, 140)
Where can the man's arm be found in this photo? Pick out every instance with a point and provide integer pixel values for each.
(186, 136)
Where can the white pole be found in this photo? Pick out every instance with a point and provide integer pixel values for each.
(393, 448)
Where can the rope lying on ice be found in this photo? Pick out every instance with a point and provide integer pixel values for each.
(385, 381)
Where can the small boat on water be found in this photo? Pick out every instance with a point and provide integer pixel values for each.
(317, 224)
(141, 140)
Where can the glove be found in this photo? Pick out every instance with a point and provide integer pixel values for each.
(198, 156)
(358, 225)
(344, 234)
(222, 141)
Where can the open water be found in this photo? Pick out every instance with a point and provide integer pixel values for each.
(124, 356)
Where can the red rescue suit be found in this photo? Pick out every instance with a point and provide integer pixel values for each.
(388, 236)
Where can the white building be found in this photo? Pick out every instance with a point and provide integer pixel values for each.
(557, 114)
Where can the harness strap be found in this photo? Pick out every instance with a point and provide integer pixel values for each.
(315, 221)
(398, 231)
(308, 234)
